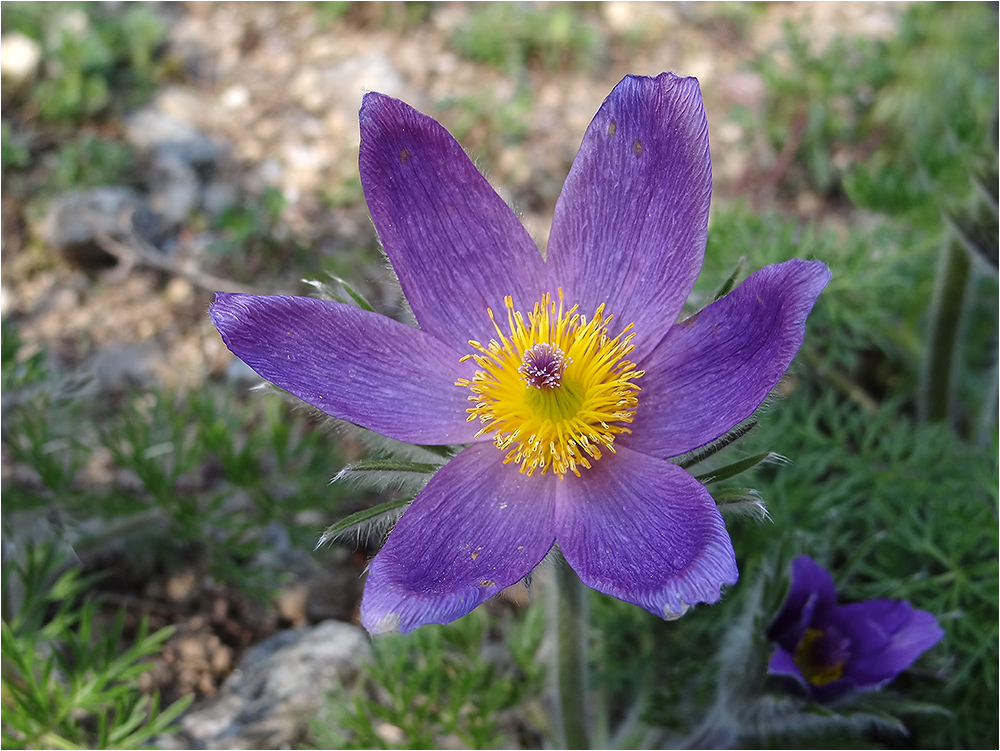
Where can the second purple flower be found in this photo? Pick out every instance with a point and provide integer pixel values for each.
(831, 649)
(569, 377)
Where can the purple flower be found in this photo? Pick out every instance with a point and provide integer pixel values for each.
(568, 377)
(831, 649)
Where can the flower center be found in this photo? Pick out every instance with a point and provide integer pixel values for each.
(820, 657)
(555, 389)
(543, 365)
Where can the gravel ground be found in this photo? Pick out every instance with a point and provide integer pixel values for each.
(277, 93)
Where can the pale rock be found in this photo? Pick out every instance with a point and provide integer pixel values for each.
(150, 129)
(218, 196)
(235, 97)
(278, 685)
(341, 86)
(19, 57)
(174, 188)
(632, 17)
(187, 105)
(76, 220)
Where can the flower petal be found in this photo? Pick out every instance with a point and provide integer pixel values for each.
(886, 637)
(455, 245)
(352, 364)
(811, 596)
(783, 663)
(477, 527)
(631, 223)
(645, 531)
(715, 368)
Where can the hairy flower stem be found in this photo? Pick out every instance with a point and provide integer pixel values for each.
(569, 618)
(946, 316)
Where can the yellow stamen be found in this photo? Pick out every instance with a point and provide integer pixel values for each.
(554, 390)
(810, 659)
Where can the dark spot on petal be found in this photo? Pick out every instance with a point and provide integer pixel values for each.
(487, 583)
(475, 554)
(404, 156)
(637, 147)
(612, 128)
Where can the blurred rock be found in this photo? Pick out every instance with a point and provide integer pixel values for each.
(291, 604)
(235, 98)
(76, 219)
(150, 129)
(191, 106)
(314, 591)
(238, 372)
(179, 291)
(644, 19)
(174, 188)
(122, 366)
(218, 196)
(19, 57)
(278, 685)
(318, 89)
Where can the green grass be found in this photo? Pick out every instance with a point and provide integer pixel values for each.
(210, 470)
(896, 124)
(511, 36)
(435, 685)
(67, 681)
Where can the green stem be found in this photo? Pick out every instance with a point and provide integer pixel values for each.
(946, 316)
(54, 740)
(569, 617)
(988, 415)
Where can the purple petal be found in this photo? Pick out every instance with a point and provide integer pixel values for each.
(631, 223)
(478, 526)
(782, 663)
(352, 364)
(455, 245)
(715, 368)
(811, 597)
(886, 636)
(645, 531)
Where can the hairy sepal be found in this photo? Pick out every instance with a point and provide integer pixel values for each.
(699, 455)
(339, 290)
(739, 467)
(391, 448)
(363, 525)
(733, 502)
(388, 474)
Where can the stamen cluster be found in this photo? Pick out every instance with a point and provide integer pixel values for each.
(543, 365)
(556, 389)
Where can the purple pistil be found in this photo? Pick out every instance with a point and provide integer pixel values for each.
(543, 365)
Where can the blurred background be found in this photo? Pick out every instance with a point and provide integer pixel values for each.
(160, 517)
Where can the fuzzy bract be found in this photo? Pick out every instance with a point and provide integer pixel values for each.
(568, 378)
(831, 649)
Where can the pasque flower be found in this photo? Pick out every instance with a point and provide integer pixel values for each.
(568, 377)
(831, 649)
